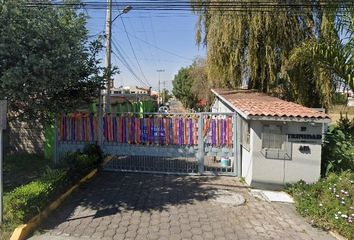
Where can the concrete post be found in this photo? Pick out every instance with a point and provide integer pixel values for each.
(200, 154)
(234, 141)
(99, 120)
(238, 146)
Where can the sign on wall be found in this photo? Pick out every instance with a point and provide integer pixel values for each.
(304, 137)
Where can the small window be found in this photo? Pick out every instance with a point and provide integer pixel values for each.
(272, 137)
(274, 142)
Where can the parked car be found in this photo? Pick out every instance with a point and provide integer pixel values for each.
(163, 109)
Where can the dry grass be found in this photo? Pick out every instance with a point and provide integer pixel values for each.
(335, 111)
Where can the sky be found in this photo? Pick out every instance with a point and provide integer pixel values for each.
(159, 40)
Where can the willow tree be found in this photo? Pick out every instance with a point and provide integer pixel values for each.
(248, 43)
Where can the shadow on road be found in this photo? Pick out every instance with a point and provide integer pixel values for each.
(111, 193)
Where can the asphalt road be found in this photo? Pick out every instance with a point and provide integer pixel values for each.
(176, 107)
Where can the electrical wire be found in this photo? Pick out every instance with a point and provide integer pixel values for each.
(186, 5)
(154, 39)
(146, 39)
(118, 54)
(119, 58)
(132, 48)
(124, 61)
(161, 49)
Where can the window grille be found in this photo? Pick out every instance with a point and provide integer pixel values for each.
(275, 143)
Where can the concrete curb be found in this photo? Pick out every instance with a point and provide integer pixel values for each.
(22, 231)
(337, 235)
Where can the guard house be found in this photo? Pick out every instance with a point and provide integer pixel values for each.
(280, 141)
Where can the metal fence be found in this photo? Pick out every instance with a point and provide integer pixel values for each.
(188, 143)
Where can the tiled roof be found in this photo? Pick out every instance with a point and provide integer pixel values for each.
(253, 103)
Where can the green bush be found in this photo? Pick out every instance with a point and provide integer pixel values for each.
(22, 168)
(338, 147)
(80, 163)
(339, 98)
(329, 203)
(26, 201)
(95, 151)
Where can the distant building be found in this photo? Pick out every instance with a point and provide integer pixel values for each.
(130, 90)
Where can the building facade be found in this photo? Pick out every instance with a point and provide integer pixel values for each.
(280, 141)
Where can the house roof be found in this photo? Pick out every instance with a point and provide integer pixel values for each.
(256, 104)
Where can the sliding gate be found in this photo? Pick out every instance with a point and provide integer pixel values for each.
(192, 143)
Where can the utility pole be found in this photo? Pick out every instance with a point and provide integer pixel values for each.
(164, 91)
(158, 99)
(108, 66)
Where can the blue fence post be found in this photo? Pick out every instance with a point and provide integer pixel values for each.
(200, 154)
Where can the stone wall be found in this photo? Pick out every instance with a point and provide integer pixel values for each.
(23, 137)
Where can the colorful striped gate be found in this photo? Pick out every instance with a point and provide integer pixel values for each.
(192, 143)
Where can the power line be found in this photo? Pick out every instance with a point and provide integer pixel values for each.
(131, 46)
(187, 5)
(154, 39)
(146, 38)
(161, 49)
(123, 60)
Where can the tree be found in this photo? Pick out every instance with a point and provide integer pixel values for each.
(182, 87)
(165, 95)
(47, 64)
(191, 84)
(201, 85)
(335, 56)
(251, 46)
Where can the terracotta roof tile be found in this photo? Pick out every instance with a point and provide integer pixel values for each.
(259, 104)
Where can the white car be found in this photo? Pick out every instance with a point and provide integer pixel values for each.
(163, 109)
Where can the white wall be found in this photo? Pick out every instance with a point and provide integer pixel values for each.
(219, 107)
(246, 165)
(305, 166)
(261, 171)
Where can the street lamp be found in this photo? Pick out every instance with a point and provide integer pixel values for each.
(124, 11)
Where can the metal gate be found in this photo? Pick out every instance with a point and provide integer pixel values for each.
(188, 143)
